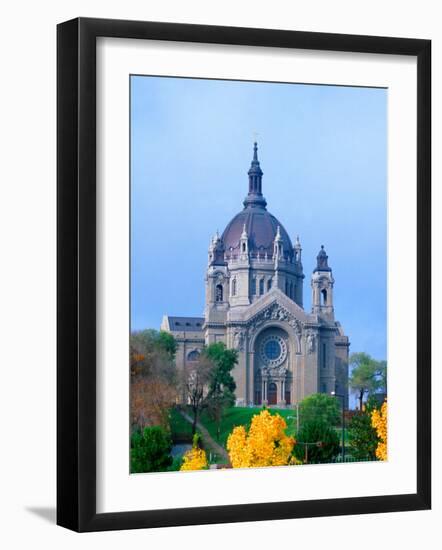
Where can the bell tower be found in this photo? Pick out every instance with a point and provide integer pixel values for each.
(322, 287)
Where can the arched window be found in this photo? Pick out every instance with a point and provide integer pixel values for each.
(253, 287)
(219, 293)
(323, 297)
(269, 284)
(194, 355)
(234, 287)
(287, 288)
(243, 247)
(261, 286)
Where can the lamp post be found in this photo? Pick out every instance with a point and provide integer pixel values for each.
(297, 417)
(343, 421)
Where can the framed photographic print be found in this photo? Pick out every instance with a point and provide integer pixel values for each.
(243, 274)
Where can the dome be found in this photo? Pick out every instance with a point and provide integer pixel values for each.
(260, 225)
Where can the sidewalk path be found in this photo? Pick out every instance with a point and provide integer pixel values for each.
(208, 439)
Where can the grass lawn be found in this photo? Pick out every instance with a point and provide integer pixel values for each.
(242, 416)
(181, 429)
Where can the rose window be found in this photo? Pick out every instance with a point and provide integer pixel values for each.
(273, 350)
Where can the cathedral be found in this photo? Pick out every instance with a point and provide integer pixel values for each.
(254, 303)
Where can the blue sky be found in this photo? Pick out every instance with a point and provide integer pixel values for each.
(323, 153)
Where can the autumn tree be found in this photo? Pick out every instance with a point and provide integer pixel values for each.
(264, 444)
(379, 423)
(221, 392)
(195, 458)
(153, 378)
(368, 376)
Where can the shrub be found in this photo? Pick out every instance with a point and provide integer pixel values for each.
(150, 450)
(321, 440)
(362, 437)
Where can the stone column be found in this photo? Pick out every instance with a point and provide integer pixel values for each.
(264, 391)
(281, 392)
(251, 378)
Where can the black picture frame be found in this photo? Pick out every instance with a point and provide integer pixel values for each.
(76, 273)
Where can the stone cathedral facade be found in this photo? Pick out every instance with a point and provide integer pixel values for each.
(254, 303)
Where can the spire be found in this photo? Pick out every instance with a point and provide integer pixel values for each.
(254, 197)
(322, 261)
(298, 249)
(244, 244)
(277, 246)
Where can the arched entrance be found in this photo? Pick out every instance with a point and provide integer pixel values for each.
(272, 375)
(272, 394)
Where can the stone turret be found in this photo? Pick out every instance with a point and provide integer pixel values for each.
(322, 287)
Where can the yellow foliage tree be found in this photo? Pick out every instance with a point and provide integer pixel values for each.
(379, 423)
(196, 458)
(266, 444)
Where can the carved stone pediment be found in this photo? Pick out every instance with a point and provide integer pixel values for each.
(274, 312)
(275, 295)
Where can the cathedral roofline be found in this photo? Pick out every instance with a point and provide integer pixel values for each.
(184, 324)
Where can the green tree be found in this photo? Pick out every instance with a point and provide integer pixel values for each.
(150, 450)
(221, 394)
(382, 376)
(316, 442)
(362, 437)
(320, 406)
(367, 375)
(167, 342)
